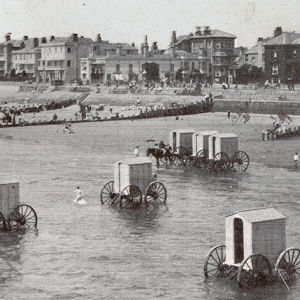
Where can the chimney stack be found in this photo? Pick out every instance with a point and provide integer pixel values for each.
(98, 38)
(44, 40)
(75, 37)
(277, 31)
(198, 31)
(206, 30)
(51, 38)
(25, 38)
(7, 36)
(119, 49)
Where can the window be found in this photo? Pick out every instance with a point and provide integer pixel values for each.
(222, 45)
(253, 60)
(69, 50)
(295, 53)
(117, 67)
(130, 67)
(217, 74)
(172, 68)
(193, 65)
(275, 70)
(69, 63)
(275, 54)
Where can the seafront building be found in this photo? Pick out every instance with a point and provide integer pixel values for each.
(208, 53)
(60, 58)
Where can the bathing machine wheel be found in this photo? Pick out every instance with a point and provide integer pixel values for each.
(214, 262)
(240, 161)
(131, 197)
(155, 193)
(108, 194)
(2, 222)
(23, 217)
(288, 264)
(255, 270)
(222, 162)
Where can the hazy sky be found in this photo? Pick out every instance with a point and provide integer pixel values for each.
(130, 20)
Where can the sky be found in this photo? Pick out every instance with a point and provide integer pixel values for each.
(130, 20)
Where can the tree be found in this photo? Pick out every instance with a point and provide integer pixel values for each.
(247, 73)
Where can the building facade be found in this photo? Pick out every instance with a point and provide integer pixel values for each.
(60, 58)
(282, 57)
(150, 64)
(25, 61)
(216, 46)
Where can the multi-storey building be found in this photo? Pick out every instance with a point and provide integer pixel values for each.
(282, 57)
(6, 49)
(216, 46)
(60, 58)
(25, 61)
(151, 64)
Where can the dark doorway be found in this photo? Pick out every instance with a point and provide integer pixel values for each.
(152, 71)
(214, 145)
(174, 142)
(238, 240)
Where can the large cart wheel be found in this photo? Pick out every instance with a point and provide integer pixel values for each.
(214, 262)
(131, 196)
(155, 193)
(240, 161)
(22, 217)
(222, 162)
(202, 154)
(2, 222)
(253, 271)
(108, 194)
(288, 264)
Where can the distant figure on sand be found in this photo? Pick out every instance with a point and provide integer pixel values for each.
(296, 160)
(79, 199)
(136, 151)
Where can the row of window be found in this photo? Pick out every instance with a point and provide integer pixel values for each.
(23, 56)
(55, 63)
(292, 54)
(55, 49)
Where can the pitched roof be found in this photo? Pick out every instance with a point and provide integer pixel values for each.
(135, 161)
(286, 38)
(254, 49)
(260, 214)
(64, 40)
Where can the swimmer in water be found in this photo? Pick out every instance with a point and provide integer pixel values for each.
(79, 199)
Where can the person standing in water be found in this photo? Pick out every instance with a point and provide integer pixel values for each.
(79, 199)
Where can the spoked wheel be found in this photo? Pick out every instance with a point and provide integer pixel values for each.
(209, 166)
(108, 194)
(155, 193)
(131, 197)
(222, 162)
(2, 222)
(214, 262)
(23, 217)
(203, 154)
(240, 161)
(288, 264)
(255, 270)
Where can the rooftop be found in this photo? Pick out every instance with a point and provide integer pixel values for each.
(286, 38)
(260, 214)
(135, 161)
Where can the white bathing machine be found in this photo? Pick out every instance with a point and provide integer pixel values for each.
(133, 171)
(200, 141)
(254, 250)
(222, 143)
(181, 140)
(133, 181)
(13, 215)
(254, 231)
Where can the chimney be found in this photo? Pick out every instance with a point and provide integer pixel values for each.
(98, 38)
(44, 40)
(277, 31)
(25, 38)
(198, 31)
(51, 38)
(260, 39)
(7, 36)
(206, 30)
(119, 49)
(75, 37)
(132, 45)
(173, 38)
(154, 47)
(35, 42)
(146, 46)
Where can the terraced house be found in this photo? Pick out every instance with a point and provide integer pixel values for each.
(60, 58)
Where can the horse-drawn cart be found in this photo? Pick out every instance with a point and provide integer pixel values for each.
(255, 250)
(13, 215)
(205, 150)
(133, 183)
